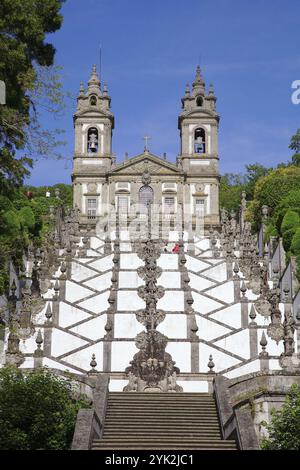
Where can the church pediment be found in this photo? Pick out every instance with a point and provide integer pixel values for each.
(93, 113)
(199, 112)
(138, 164)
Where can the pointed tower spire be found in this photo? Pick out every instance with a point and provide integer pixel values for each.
(81, 90)
(94, 82)
(187, 90)
(211, 90)
(105, 89)
(211, 98)
(198, 83)
(198, 77)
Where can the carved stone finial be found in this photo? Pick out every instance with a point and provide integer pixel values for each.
(63, 269)
(211, 365)
(56, 290)
(39, 341)
(48, 313)
(236, 269)
(252, 314)
(81, 89)
(93, 364)
(263, 343)
(243, 289)
(187, 91)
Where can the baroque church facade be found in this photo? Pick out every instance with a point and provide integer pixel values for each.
(191, 183)
(202, 342)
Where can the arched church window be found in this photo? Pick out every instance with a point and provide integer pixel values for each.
(199, 101)
(92, 144)
(145, 195)
(199, 141)
(93, 101)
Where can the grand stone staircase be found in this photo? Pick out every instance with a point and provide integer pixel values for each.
(162, 421)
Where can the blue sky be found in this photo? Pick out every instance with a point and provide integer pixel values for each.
(249, 50)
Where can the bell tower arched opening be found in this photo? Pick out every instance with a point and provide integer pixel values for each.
(93, 140)
(199, 141)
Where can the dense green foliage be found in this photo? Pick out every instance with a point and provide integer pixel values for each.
(26, 67)
(272, 189)
(284, 429)
(38, 409)
(277, 188)
(24, 25)
(24, 221)
(232, 185)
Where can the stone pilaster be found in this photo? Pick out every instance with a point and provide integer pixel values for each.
(113, 300)
(253, 340)
(244, 312)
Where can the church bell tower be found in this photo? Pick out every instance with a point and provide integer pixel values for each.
(198, 124)
(94, 123)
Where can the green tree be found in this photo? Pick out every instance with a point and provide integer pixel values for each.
(24, 25)
(295, 243)
(254, 172)
(24, 221)
(272, 189)
(290, 202)
(295, 146)
(284, 428)
(38, 409)
(32, 82)
(291, 220)
(231, 187)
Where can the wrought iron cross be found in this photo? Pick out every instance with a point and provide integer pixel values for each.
(146, 138)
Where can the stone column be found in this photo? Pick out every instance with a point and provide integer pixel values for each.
(236, 283)
(55, 304)
(113, 299)
(192, 327)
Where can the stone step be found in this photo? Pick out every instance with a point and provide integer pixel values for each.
(161, 408)
(164, 425)
(161, 414)
(172, 420)
(189, 443)
(163, 431)
(123, 426)
(150, 404)
(162, 402)
(159, 439)
(161, 421)
(169, 406)
(171, 434)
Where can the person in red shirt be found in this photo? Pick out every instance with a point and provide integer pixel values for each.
(176, 248)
